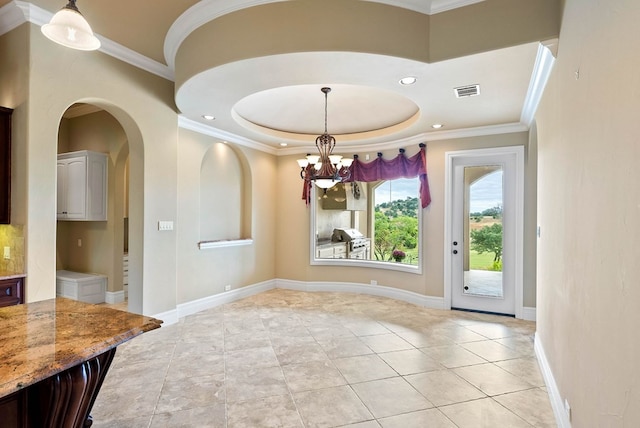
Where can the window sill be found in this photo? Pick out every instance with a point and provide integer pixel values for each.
(374, 264)
(205, 245)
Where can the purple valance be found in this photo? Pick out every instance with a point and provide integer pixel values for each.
(382, 169)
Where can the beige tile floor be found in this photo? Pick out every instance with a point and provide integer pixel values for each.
(294, 359)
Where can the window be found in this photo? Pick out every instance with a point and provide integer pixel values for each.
(368, 224)
(395, 225)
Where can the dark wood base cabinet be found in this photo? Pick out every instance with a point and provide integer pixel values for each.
(63, 400)
(11, 291)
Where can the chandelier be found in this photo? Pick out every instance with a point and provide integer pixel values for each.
(325, 169)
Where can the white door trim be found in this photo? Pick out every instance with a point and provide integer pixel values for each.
(518, 151)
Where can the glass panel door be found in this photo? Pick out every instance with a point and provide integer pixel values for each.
(482, 253)
(484, 217)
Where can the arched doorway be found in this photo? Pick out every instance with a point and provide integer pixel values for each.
(99, 247)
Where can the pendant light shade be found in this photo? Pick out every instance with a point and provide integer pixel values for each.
(69, 28)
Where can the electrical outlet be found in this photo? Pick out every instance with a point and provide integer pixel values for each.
(374, 282)
(227, 287)
(7, 253)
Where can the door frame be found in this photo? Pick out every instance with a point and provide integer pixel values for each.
(518, 259)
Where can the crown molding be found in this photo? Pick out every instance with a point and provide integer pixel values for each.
(508, 128)
(539, 78)
(200, 128)
(12, 15)
(17, 13)
(132, 57)
(445, 5)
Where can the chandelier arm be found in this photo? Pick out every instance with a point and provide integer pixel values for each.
(327, 169)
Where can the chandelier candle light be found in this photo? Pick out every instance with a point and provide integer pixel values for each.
(325, 169)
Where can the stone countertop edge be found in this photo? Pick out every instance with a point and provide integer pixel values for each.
(44, 338)
(11, 275)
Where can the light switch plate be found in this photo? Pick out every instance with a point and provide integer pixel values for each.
(7, 253)
(165, 225)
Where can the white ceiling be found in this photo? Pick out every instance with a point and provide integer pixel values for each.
(273, 99)
(376, 110)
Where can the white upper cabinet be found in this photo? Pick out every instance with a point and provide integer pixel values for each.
(82, 186)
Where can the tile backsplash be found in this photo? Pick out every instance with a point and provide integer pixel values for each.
(12, 236)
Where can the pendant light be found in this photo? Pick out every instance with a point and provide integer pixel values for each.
(325, 169)
(69, 28)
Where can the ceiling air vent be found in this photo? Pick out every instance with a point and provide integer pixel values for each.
(467, 91)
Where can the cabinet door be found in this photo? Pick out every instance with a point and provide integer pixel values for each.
(325, 253)
(76, 188)
(5, 165)
(340, 251)
(61, 190)
(96, 189)
(11, 292)
(82, 186)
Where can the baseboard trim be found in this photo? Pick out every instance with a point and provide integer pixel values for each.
(195, 306)
(112, 297)
(529, 313)
(375, 290)
(168, 317)
(209, 302)
(562, 419)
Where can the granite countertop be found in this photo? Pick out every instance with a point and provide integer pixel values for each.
(40, 339)
(11, 275)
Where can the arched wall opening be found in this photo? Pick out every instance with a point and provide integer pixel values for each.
(99, 246)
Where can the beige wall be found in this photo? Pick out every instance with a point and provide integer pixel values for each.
(589, 201)
(14, 90)
(353, 26)
(143, 105)
(490, 25)
(202, 273)
(293, 220)
(140, 112)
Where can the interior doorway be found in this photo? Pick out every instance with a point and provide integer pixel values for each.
(483, 232)
(93, 245)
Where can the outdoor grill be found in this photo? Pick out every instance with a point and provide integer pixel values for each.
(358, 246)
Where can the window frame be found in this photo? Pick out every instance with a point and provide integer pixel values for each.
(373, 264)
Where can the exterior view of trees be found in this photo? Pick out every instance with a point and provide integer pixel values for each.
(396, 229)
(488, 239)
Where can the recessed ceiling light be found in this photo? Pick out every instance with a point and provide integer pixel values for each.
(409, 80)
(283, 144)
(436, 126)
(208, 117)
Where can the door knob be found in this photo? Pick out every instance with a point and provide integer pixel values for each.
(455, 243)
(455, 251)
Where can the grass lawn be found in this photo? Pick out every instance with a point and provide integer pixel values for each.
(480, 261)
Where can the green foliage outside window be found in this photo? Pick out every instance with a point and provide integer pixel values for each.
(396, 229)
